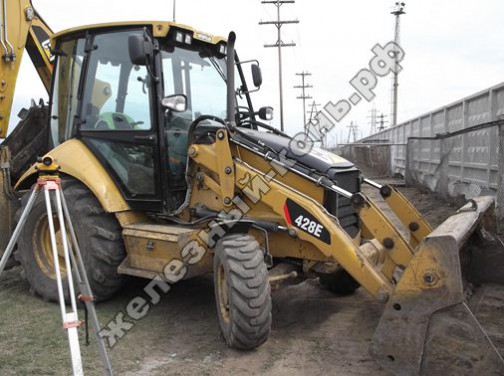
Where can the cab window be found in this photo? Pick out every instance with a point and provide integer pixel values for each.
(116, 119)
(66, 83)
(117, 95)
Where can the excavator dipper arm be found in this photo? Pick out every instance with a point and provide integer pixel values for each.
(21, 29)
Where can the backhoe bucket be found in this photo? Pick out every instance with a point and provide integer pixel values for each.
(427, 327)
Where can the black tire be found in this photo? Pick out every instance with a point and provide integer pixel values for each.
(98, 234)
(241, 277)
(339, 282)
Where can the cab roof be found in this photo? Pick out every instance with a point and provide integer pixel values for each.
(159, 29)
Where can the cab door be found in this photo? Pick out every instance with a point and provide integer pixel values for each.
(117, 118)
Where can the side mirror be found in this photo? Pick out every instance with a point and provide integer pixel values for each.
(256, 75)
(266, 113)
(176, 102)
(139, 49)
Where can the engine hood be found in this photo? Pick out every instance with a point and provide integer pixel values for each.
(315, 163)
(317, 159)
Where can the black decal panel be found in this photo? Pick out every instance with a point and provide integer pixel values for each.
(297, 216)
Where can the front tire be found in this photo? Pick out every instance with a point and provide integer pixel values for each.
(242, 291)
(98, 234)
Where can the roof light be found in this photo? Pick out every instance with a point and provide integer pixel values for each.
(179, 36)
(187, 39)
(223, 49)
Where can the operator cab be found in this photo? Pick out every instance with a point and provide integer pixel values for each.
(131, 92)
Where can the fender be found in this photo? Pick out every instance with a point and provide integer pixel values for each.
(76, 160)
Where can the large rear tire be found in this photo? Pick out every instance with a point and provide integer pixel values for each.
(242, 292)
(98, 234)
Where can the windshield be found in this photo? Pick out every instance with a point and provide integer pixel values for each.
(198, 75)
(201, 77)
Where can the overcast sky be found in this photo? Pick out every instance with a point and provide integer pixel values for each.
(453, 48)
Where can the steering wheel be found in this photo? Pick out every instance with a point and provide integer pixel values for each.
(200, 119)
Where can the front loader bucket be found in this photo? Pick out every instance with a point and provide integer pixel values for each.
(427, 327)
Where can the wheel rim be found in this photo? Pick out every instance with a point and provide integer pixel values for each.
(223, 293)
(43, 249)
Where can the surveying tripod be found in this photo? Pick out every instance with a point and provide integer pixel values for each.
(49, 181)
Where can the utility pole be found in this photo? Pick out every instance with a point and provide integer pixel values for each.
(397, 12)
(381, 122)
(174, 8)
(312, 123)
(373, 120)
(353, 129)
(303, 96)
(279, 44)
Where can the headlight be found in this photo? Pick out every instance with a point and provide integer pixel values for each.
(269, 113)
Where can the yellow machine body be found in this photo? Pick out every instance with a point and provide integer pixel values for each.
(417, 275)
(77, 161)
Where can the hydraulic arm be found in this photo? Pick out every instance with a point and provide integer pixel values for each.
(21, 28)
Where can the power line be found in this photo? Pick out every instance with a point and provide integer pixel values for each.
(303, 96)
(279, 44)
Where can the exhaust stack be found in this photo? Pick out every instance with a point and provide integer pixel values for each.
(231, 100)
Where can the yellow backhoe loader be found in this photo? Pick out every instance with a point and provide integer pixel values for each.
(169, 171)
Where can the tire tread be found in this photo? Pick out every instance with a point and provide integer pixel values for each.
(250, 294)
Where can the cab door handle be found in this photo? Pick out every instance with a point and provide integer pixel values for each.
(150, 138)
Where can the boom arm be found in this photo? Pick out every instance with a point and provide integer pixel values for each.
(21, 28)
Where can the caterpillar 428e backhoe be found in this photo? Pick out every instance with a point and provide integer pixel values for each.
(169, 172)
